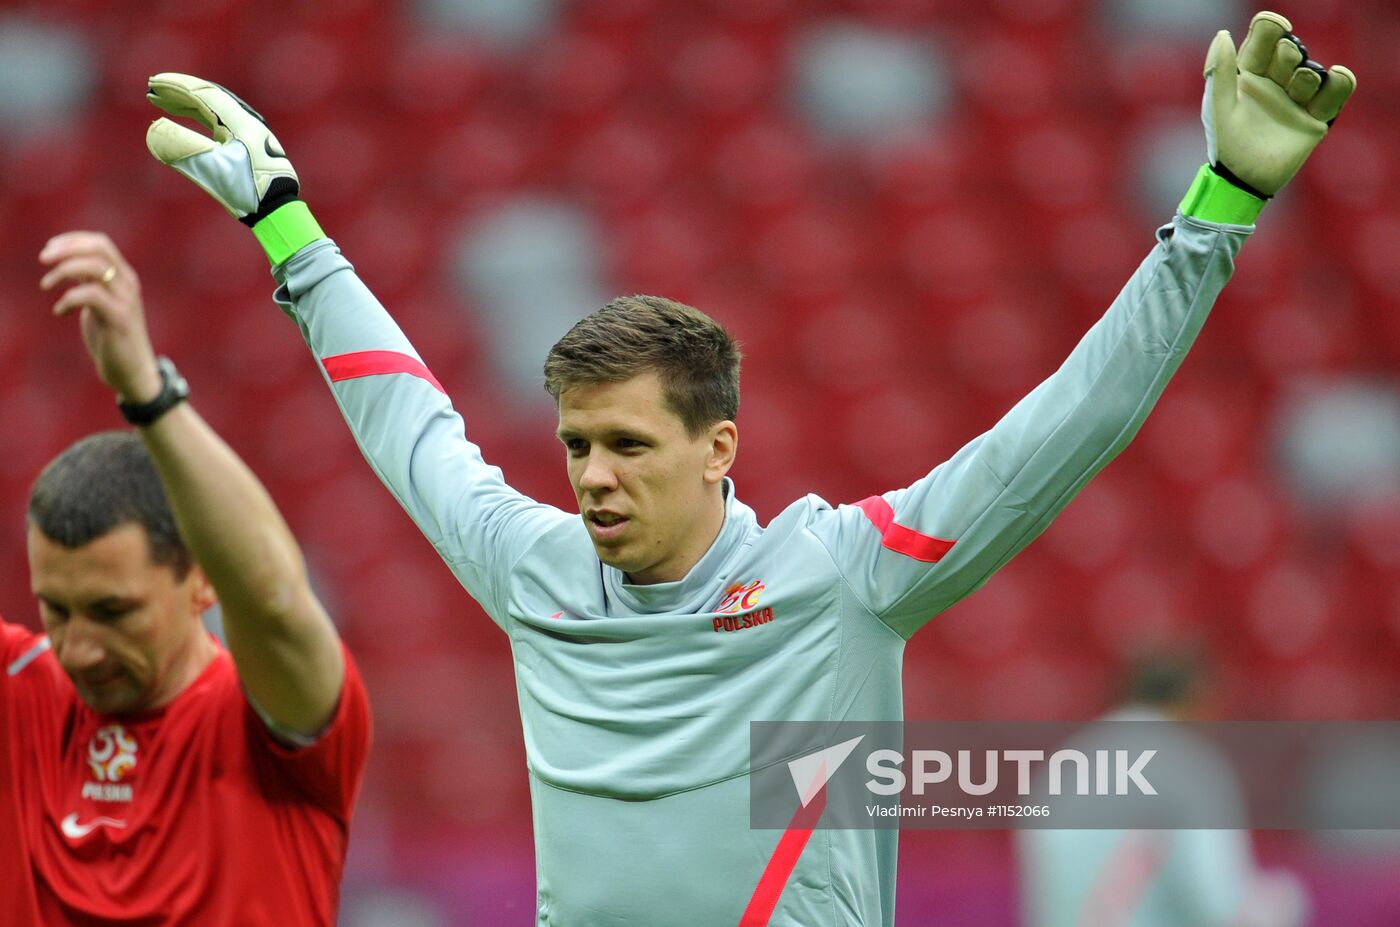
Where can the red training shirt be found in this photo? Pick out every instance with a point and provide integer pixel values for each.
(190, 814)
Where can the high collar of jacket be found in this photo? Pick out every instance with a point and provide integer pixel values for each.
(691, 593)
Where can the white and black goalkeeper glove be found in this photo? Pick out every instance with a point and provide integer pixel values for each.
(242, 166)
(1264, 111)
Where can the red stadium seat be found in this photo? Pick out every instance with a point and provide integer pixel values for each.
(1197, 432)
(433, 78)
(718, 74)
(621, 164)
(748, 12)
(577, 75)
(915, 173)
(1140, 608)
(1058, 166)
(896, 434)
(763, 166)
(952, 257)
(1094, 254)
(808, 255)
(1003, 346)
(1355, 172)
(484, 155)
(666, 250)
(993, 626)
(1291, 608)
(1237, 522)
(1099, 527)
(299, 72)
(1036, 688)
(340, 157)
(1373, 528)
(1013, 79)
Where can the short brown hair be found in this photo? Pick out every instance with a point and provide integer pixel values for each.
(101, 483)
(696, 359)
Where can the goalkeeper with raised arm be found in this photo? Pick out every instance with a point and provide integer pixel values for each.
(630, 616)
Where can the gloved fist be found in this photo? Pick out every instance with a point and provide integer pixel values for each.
(242, 166)
(1266, 111)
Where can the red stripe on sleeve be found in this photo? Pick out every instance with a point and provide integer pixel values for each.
(900, 539)
(372, 363)
(780, 865)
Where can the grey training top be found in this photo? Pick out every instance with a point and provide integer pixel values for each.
(636, 704)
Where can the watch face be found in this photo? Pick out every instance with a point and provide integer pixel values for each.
(171, 381)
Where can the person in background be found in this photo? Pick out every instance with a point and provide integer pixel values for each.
(1197, 877)
(148, 775)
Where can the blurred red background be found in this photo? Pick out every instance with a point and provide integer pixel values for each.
(895, 292)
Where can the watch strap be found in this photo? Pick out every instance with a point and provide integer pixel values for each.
(174, 389)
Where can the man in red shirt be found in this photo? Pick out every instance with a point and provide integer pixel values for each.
(148, 776)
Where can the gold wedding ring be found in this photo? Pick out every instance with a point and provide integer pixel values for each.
(109, 275)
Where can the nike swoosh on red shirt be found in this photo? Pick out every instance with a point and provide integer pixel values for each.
(75, 831)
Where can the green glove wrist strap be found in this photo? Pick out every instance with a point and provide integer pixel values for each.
(1212, 198)
(286, 230)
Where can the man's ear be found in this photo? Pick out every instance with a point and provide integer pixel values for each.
(200, 590)
(723, 445)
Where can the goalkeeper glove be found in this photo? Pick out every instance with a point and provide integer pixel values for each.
(243, 166)
(1264, 112)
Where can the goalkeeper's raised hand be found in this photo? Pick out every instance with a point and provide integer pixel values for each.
(1264, 110)
(242, 166)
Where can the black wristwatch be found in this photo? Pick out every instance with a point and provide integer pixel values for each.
(174, 389)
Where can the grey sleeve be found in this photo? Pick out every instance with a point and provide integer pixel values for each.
(405, 425)
(911, 553)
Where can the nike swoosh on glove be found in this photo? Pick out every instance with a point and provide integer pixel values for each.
(243, 166)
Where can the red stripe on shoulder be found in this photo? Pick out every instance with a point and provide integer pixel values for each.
(371, 363)
(902, 540)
